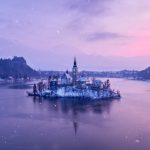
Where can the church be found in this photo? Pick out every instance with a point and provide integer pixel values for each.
(71, 78)
(70, 85)
(75, 72)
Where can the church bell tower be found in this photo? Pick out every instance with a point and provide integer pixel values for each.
(74, 72)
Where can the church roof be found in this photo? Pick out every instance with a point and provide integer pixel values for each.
(75, 62)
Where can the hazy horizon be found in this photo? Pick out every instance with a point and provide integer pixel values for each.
(68, 63)
(102, 34)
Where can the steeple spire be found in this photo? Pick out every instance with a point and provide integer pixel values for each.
(75, 62)
(74, 72)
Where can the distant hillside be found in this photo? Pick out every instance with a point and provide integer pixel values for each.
(16, 67)
(132, 74)
(144, 74)
(111, 74)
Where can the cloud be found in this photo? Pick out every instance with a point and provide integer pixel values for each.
(84, 11)
(5, 21)
(87, 6)
(38, 26)
(104, 36)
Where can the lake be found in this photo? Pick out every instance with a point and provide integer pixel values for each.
(28, 123)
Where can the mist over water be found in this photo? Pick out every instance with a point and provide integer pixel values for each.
(28, 123)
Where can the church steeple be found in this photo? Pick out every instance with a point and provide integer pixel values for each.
(74, 72)
(75, 62)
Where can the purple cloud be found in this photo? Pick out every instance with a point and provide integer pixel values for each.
(103, 36)
(83, 11)
(87, 6)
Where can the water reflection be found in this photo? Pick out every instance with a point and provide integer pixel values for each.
(18, 86)
(75, 107)
(28, 123)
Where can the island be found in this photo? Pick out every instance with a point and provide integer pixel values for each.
(71, 85)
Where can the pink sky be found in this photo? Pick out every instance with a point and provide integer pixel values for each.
(64, 29)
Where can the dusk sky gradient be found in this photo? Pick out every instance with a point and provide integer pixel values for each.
(102, 34)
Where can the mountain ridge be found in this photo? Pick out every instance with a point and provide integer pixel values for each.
(16, 67)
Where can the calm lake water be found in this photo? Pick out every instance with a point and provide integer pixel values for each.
(40, 124)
